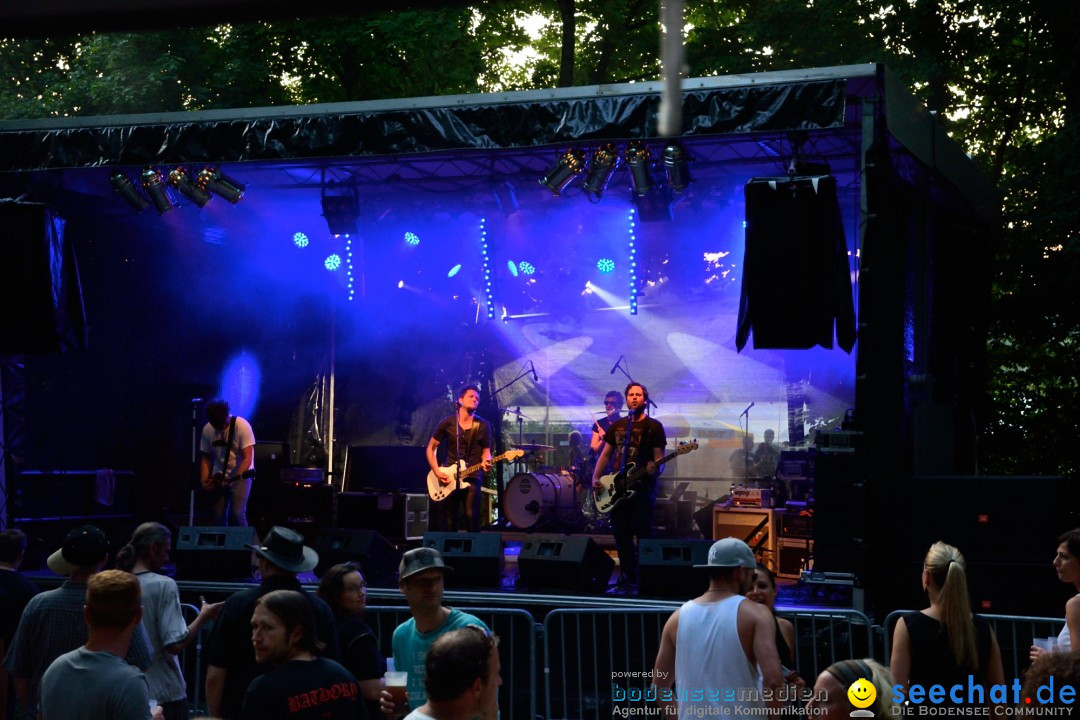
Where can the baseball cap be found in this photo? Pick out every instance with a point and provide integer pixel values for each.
(84, 546)
(730, 552)
(420, 559)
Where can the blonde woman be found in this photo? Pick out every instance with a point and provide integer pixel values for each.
(945, 643)
(830, 698)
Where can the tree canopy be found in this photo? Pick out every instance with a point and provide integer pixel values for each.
(1001, 75)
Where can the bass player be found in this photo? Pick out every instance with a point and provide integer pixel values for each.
(466, 436)
(633, 517)
(227, 463)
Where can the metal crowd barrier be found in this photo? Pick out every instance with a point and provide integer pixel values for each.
(191, 662)
(517, 630)
(825, 636)
(1014, 635)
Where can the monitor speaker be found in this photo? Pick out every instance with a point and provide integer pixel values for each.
(666, 567)
(564, 562)
(477, 558)
(378, 559)
(214, 553)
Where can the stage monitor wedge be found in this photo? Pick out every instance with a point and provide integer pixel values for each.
(667, 567)
(564, 562)
(477, 558)
(214, 553)
(378, 559)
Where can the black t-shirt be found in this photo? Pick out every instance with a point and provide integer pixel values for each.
(318, 689)
(360, 653)
(230, 639)
(15, 593)
(645, 435)
(473, 441)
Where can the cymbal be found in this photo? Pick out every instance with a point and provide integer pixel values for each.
(532, 447)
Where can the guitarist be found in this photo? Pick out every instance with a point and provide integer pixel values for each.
(644, 443)
(227, 463)
(467, 436)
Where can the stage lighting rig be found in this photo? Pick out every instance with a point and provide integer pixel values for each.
(341, 210)
(123, 185)
(637, 158)
(604, 162)
(210, 179)
(154, 185)
(570, 165)
(180, 180)
(676, 168)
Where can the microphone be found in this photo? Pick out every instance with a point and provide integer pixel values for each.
(747, 408)
(616, 365)
(535, 379)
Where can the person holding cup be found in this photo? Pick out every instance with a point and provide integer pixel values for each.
(1067, 565)
(420, 580)
(302, 685)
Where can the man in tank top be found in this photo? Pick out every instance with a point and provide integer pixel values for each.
(714, 647)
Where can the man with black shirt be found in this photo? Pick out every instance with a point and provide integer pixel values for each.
(633, 516)
(466, 436)
(232, 664)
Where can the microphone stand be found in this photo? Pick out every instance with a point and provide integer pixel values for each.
(498, 479)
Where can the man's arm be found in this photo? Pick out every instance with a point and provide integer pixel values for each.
(601, 465)
(247, 456)
(664, 668)
(596, 442)
(215, 689)
(432, 462)
(204, 468)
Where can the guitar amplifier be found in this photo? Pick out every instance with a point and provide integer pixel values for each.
(395, 516)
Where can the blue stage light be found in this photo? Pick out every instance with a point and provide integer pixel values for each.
(454, 271)
(241, 379)
(526, 267)
(605, 265)
(333, 262)
(512, 266)
(412, 238)
(300, 240)
(400, 284)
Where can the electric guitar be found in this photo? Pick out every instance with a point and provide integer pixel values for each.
(623, 485)
(439, 490)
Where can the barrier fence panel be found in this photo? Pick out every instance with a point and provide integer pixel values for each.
(823, 637)
(191, 663)
(1015, 635)
(596, 660)
(517, 631)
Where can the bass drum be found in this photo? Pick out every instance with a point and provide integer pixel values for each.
(531, 498)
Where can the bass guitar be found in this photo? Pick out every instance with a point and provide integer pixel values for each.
(624, 484)
(439, 490)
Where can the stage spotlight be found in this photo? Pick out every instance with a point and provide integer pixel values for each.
(400, 284)
(505, 197)
(155, 188)
(412, 239)
(332, 262)
(210, 179)
(605, 265)
(676, 167)
(512, 267)
(637, 157)
(300, 240)
(604, 162)
(122, 184)
(570, 164)
(526, 268)
(454, 271)
(341, 212)
(180, 180)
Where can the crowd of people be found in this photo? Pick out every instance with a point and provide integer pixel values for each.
(104, 644)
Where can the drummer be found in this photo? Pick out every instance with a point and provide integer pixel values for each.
(613, 404)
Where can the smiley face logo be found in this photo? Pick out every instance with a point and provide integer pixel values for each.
(862, 693)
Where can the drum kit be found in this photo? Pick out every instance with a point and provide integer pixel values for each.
(549, 498)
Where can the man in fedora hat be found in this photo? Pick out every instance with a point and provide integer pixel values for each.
(231, 659)
(420, 580)
(53, 622)
(716, 643)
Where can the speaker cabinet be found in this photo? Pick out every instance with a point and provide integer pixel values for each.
(754, 526)
(378, 559)
(667, 567)
(792, 557)
(477, 558)
(564, 562)
(397, 516)
(214, 553)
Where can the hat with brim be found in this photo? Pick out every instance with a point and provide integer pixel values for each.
(84, 547)
(285, 549)
(730, 553)
(420, 559)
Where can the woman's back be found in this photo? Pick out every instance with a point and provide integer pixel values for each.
(932, 659)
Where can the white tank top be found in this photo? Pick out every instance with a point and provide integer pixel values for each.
(711, 667)
(1064, 642)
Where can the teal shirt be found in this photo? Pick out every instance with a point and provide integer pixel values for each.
(411, 649)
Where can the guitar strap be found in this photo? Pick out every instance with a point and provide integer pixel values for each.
(228, 448)
(626, 440)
